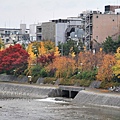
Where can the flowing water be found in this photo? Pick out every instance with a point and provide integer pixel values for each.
(50, 109)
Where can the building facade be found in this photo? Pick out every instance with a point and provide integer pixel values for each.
(12, 35)
(98, 27)
(61, 29)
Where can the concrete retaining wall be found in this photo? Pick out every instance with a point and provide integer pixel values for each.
(10, 90)
(99, 99)
(12, 78)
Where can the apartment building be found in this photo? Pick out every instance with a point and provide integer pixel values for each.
(11, 35)
(98, 26)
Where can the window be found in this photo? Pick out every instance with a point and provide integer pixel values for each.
(7, 40)
(96, 37)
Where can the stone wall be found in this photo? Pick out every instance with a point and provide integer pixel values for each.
(97, 98)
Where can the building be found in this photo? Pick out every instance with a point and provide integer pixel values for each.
(98, 26)
(111, 8)
(74, 29)
(39, 32)
(32, 32)
(13, 35)
(61, 29)
(54, 30)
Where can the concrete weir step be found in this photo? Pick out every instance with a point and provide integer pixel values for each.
(11, 90)
(97, 98)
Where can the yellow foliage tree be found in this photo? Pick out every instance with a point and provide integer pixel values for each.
(57, 52)
(116, 68)
(105, 71)
(31, 59)
(49, 46)
(1, 44)
(42, 49)
(72, 53)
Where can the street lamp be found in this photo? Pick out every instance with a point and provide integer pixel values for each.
(81, 65)
(30, 79)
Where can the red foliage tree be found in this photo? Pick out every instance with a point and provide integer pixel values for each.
(13, 59)
(46, 59)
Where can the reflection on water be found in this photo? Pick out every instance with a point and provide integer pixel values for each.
(50, 109)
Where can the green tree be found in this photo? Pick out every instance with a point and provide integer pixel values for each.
(110, 45)
(65, 48)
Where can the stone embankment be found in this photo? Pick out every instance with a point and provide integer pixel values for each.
(11, 90)
(87, 97)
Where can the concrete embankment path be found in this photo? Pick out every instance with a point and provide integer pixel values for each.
(14, 90)
(97, 98)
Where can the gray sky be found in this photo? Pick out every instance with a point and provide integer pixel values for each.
(14, 12)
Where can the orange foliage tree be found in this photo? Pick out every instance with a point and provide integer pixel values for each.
(105, 71)
(86, 61)
(64, 66)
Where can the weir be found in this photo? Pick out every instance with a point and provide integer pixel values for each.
(97, 98)
(70, 91)
(10, 90)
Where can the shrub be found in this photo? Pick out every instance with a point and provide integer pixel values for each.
(49, 80)
(43, 73)
(107, 84)
(84, 83)
(66, 81)
(86, 75)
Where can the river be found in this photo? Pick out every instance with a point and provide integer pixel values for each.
(50, 109)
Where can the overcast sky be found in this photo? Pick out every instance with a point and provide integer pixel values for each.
(14, 12)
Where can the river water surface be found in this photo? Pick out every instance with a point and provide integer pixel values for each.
(49, 109)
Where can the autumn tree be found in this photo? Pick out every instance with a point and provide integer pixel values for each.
(49, 46)
(64, 66)
(105, 71)
(13, 59)
(44, 60)
(116, 68)
(57, 52)
(86, 61)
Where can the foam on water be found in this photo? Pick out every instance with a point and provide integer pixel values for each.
(51, 100)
